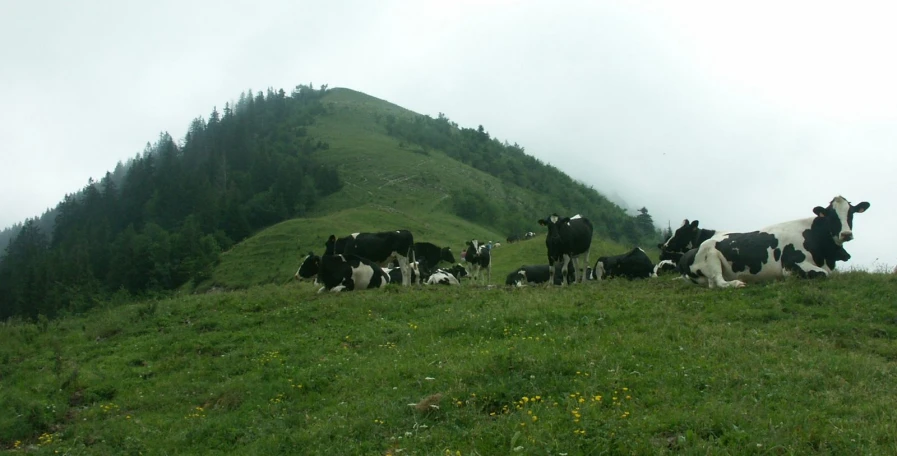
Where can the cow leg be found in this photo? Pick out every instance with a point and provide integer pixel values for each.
(585, 266)
(808, 270)
(550, 273)
(405, 268)
(578, 270)
(712, 268)
(566, 262)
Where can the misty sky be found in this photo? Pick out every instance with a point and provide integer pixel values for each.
(738, 115)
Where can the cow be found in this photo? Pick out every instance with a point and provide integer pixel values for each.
(807, 247)
(479, 260)
(458, 271)
(529, 235)
(513, 238)
(568, 238)
(634, 264)
(688, 236)
(442, 277)
(395, 273)
(536, 274)
(342, 272)
(378, 248)
(664, 266)
(430, 255)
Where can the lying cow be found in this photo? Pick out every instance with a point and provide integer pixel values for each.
(442, 277)
(634, 264)
(395, 273)
(807, 247)
(342, 272)
(688, 236)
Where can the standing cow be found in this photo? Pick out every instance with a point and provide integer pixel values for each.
(807, 247)
(568, 238)
(479, 260)
(378, 248)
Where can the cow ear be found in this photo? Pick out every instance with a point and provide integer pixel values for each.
(860, 208)
(331, 238)
(685, 222)
(694, 224)
(819, 211)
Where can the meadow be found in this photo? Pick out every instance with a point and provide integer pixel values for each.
(617, 367)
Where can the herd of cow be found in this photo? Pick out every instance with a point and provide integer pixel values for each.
(808, 247)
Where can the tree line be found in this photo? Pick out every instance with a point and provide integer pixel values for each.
(161, 219)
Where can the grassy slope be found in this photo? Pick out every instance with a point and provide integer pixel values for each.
(272, 256)
(621, 367)
(379, 172)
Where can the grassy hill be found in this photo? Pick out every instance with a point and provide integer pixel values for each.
(272, 256)
(646, 367)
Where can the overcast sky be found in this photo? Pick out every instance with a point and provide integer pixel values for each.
(737, 114)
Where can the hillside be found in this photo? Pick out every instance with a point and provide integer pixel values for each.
(162, 220)
(644, 367)
(272, 256)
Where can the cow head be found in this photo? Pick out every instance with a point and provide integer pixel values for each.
(446, 255)
(553, 222)
(328, 246)
(837, 218)
(309, 267)
(681, 240)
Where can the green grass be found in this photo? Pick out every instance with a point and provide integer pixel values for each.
(645, 367)
(378, 170)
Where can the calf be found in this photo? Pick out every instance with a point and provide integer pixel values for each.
(342, 272)
(634, 264)
(568, 238)
(442, 277)
(458, 271)
(479, 260)
(378, 247)
(807, 247)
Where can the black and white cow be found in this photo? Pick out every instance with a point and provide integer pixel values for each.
(395, 273)
(568, 238)
(634, 264)
(458, 271)
(430, 255)
(378, 247)
(536, 274)
(442, 277)
(342, 272)
(529, 235)
(479, 261)
(807, 247)
(688, 236)
(666, 266)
